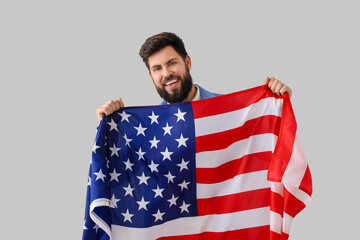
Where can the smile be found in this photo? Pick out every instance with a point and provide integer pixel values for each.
(171, 82)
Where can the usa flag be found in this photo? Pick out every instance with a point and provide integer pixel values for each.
(229, 167)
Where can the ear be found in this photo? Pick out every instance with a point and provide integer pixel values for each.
(188, 62)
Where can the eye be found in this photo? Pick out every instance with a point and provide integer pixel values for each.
(173, 63)
(156, 69)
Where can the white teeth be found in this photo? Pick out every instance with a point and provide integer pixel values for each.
(171, 82)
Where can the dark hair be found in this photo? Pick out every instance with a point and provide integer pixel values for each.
(158, 42)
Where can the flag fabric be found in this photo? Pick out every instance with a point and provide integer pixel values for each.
(229, 167)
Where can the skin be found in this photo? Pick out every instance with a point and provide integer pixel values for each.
(167, 62)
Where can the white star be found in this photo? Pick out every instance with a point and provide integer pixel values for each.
(95, 147)
(166, 154)
(141, 154)
(113, 125)
(89, 181)
(140, 130)
(85, 228)
(128, 140)
(158, 215)
(158, 191)
(114, 201)
(182, 141)
(127, 216)
(96, 227)
(154, 142)
(114, 175)
(183, 165)
(142, 204)
(124, 116)
(128, 165)
(100, 175)
(184, 185)
(170, 177)
(114, 150)
(128, 190)
(154, 118)
(180, 115)
(153, 166)
(143, 179)
(184, 207)
(167, 129)
(172, 201)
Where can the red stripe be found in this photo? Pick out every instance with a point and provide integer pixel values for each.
(284, 236)
(275, 236)
(292, 205)
(284, 144)
(306, 183)
(234, 202)
(277, 203)
(230, 102)
(256, 233)
(216, 141)
(248, 163)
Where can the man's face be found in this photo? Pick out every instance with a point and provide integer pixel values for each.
(171, 74)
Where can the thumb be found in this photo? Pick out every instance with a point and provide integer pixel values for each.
(120, 101)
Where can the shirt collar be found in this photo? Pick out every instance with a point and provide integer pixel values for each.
(197, 95)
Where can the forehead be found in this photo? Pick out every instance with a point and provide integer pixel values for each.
(162, 56)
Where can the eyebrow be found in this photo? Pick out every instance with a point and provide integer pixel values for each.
(169, 61)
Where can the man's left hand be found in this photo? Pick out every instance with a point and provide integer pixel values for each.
(277, 87)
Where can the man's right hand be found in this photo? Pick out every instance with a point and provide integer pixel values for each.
(108, 108)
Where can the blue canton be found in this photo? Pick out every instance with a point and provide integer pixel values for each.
(143, 164)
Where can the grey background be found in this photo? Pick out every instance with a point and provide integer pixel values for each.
(60, 60)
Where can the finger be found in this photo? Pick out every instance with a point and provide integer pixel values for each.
(272, 84)
(121, 102)
(99, 113)
(278, 86)
(112, 106)
(117, 105)
(99, 118)
(266, 82)
(286, 89)
(108, 111)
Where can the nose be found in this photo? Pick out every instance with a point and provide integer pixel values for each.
(166, 72)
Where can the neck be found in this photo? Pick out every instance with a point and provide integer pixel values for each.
(191, 95)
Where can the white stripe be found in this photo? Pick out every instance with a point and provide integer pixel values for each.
(194, 225)
(275, 222)
(297, 165)
(277, 188)
(287, 223)
(234, 119)
(240, 183)
(298, 193)
(254, 144)
(100, 202)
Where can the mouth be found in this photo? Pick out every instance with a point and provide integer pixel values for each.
(171, 82)
(171, 85)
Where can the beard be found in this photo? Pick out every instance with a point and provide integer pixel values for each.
(178, 95)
